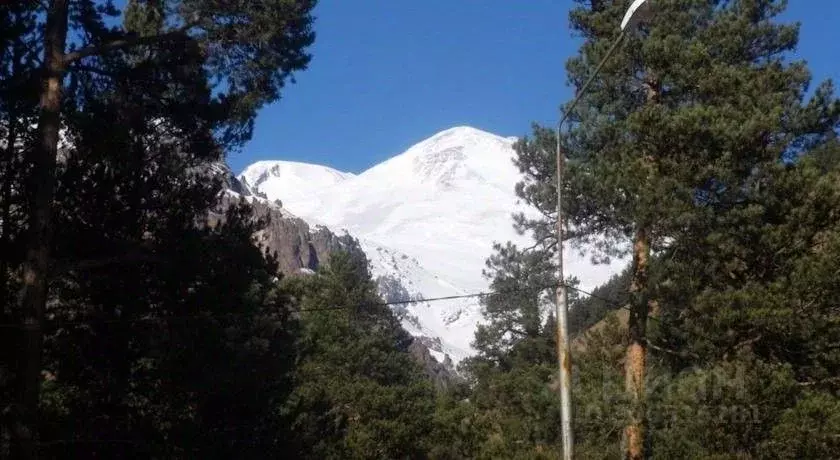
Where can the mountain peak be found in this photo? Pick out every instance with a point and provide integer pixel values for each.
(463, 131)
(278, 167)
(290, 180)
(455, 155)
(458, 136)
(460, 152)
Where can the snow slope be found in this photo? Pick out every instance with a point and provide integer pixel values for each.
(289, 180)
(426, 218)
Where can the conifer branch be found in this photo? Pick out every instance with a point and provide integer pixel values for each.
(123, 43)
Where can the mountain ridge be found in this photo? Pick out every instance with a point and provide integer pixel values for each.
(427, 219)
(290, 179)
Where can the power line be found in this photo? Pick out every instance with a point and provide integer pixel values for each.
(170, 319)
(174, 318)
(298, 310)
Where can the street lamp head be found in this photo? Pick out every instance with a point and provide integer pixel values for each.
(639, 10)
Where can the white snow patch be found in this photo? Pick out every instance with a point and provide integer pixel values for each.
(290, 180)
(439, 357)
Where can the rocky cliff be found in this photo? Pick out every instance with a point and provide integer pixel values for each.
(299, 248)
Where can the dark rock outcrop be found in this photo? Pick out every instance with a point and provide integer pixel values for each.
(298, 247)
(443, 375)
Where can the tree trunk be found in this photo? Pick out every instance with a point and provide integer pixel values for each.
(8, 353)
(33, 294)
(5, 228)
(10, 157)
(636, 355)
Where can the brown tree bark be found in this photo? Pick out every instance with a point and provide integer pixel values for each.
(636, 354)
(33, 294)
(635, 365)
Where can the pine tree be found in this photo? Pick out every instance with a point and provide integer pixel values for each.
(252, 48)
(18, 96)
(673, 127)
(168, 337)
(761, 311)
(359, 394)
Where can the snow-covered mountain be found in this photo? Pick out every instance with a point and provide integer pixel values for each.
(289, 180)
(426, 219)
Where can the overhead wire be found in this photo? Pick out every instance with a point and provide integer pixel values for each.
(61, 323)
(330, 308)
(207, 316)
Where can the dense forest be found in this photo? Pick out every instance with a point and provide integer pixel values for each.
(134, 326)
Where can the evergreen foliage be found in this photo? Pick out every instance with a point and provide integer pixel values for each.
(162, 336)
(358, 392)
(698, 136)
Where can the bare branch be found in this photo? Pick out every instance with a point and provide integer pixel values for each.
(541, 241)
(819, 382)
(92, 69)
(682, 354)
(93, 264)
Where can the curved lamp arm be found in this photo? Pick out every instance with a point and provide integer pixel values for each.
(638, 10)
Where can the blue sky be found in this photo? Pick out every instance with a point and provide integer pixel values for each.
(388, 73)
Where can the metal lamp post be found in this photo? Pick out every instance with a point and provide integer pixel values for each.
(635, 13)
